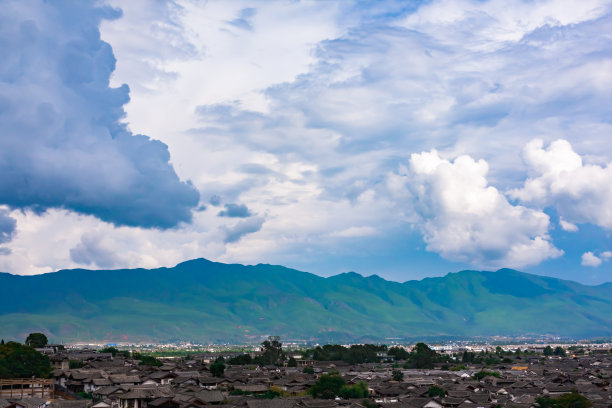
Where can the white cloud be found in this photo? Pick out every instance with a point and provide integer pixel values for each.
(355, 232)
(465, 219)
(567, 226)
(590, 259)
(493, 24)
(606, 255)
(581, 192)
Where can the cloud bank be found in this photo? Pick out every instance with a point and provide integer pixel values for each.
(64, 143)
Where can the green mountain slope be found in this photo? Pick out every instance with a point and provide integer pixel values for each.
(208, 301)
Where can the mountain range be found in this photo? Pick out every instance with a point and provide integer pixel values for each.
(206, 301)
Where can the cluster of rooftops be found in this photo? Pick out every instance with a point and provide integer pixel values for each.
(120, 382)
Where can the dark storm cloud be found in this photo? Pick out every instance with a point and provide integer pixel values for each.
(8, 226)
(62, 142)
(235, 211)
(248, 226)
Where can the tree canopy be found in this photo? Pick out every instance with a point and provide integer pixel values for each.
(242, 359)
(355, 354)
(423, 357)
(217, 369)
(36, 340)
(272, 352)
(484, 373)
(436, 391)
(19, 361)
(147, 360)
(327, 386)
(399, 353)
(569, 400)
(114, 351)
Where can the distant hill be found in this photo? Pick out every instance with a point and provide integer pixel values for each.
(214, 302)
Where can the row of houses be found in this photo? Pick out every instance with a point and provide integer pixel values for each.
(123, 383)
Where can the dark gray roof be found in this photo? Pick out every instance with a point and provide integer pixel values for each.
(274, 403)
(211, 396)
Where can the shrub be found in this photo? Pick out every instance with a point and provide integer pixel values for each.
(354, 391)
(397, 375)
(217, 369)
(72, 364)
(570, 400)
(435, 391)
(369, 404)
(484, 373)
(327, 387)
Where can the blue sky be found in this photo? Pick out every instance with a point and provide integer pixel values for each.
(406, 139)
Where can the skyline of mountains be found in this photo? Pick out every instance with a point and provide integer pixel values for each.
(213, 302)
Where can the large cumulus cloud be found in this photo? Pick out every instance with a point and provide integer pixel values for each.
(581, 192)
(63, 143)
(464, 219)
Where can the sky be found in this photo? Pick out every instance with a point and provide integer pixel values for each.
(398, 138)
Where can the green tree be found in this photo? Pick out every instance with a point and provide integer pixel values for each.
(468, 357)
(548, 351)
(272, 351)
(368, 404)
(359, 390)
(484, 373)
(114, 351)
(423, 356)
(356, 354)
(217, 368)
(397, 375)
(559, 351)
(458, 368)
(270, 394)
(570, 400)
(573, 400)
(292, 362)
(36, 340)
(328, 386)
(545, 402)
(19, 361)
(147, 360)
(436, 391)
(73, 364)
(242, 359)
(399, 353)
(308, 370)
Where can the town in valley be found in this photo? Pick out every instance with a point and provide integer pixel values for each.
(272, 374)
